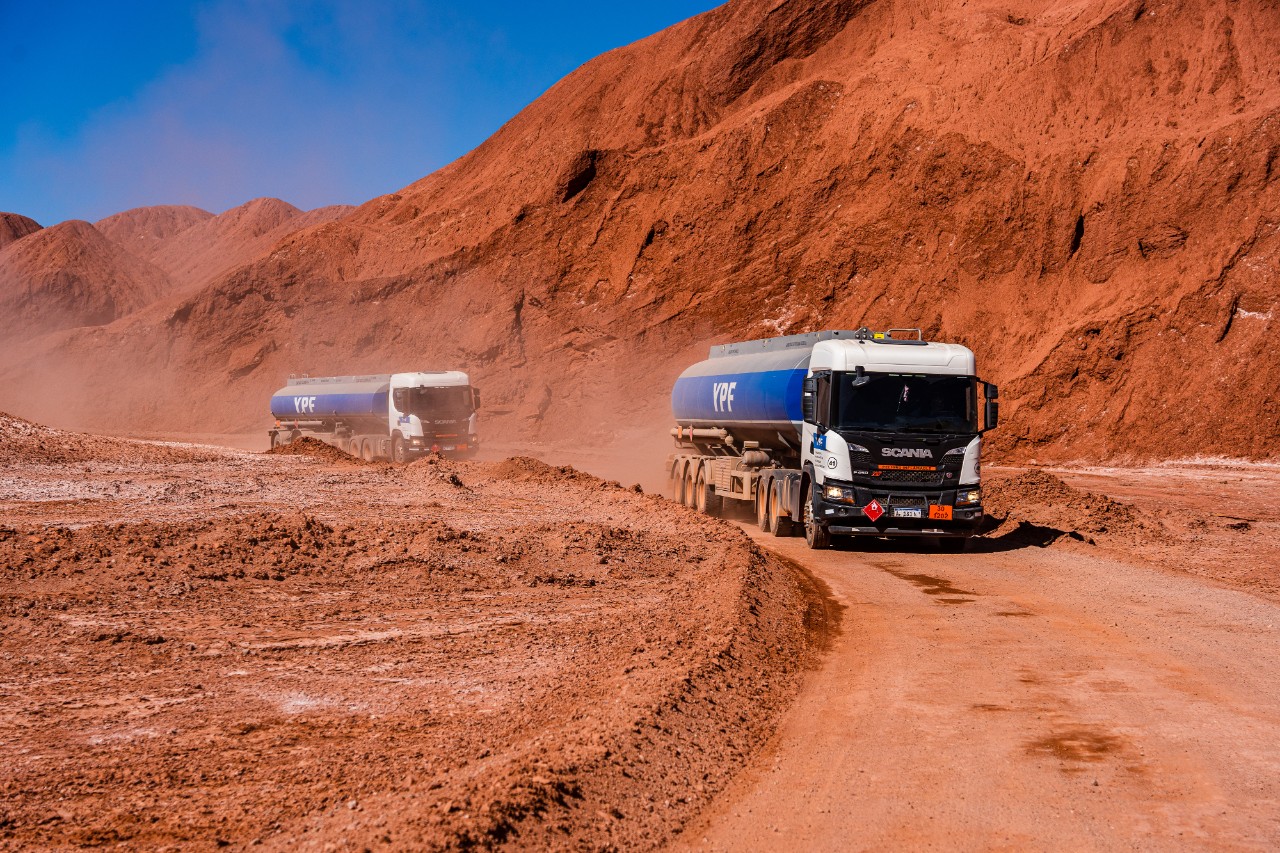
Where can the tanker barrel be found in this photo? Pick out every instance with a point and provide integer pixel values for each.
(740, 398)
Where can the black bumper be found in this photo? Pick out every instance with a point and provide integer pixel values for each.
(842, 519)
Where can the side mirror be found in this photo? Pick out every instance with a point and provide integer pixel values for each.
(808, 400)
(992, 414)
(475, 398)
(992, 392)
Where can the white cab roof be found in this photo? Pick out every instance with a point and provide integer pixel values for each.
(442, 379)
(893, 357)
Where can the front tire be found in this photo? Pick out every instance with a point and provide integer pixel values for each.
(815, 532)
(398, 453)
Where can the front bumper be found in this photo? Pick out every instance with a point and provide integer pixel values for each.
(850, 520)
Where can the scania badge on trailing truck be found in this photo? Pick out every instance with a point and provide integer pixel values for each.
(397, 416)
(837, 433)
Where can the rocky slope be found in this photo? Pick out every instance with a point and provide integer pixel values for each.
(14, 226)
(143, 230)
(70, 275)
(1087, 195)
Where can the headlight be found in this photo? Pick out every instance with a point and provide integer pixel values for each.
(840, 494)
(968, 497)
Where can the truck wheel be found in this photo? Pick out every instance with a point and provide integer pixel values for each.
(397, 450)
(708, 501)
(763, 513)
(815, 534)
(782, 525)
(366, 451)
(689, 494)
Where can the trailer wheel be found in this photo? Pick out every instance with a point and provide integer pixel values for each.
(781, 524)
(815, 534)
(689, 496)
(762, 508)
(397, 450)
(366, 451)
(705, 495)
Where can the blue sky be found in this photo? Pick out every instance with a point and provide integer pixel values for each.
(108, 106)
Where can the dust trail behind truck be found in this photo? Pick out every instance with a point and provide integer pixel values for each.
(396, 416)
(836, 433)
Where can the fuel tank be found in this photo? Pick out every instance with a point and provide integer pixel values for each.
(345, 397)
(754, 395)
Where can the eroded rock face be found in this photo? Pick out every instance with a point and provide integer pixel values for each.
(70, 275)
(1085, 197)
(15, 226)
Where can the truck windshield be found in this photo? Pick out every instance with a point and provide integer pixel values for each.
(892, 401)
(436, 404)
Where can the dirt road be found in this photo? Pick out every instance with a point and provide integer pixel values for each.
(1025, 699)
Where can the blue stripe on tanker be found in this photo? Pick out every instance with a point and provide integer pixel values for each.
(771, 396)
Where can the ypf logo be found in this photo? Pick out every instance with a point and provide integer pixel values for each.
(722, 396)
(304, 405)
(907, 452)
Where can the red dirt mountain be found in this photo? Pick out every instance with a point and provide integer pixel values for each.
(143, 230)
(14, 226)
(215, 245)
(1086, 195)
(70, 275)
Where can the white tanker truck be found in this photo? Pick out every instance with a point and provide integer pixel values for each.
(396, 416)
(836, 433)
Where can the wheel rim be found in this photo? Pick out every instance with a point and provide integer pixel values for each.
(700, 495)
(810, 526)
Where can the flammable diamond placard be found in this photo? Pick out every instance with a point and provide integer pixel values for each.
(873, 510)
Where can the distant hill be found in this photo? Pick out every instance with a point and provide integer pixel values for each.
(70, 275)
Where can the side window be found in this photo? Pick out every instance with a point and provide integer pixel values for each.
(400, 399)
(822, 397)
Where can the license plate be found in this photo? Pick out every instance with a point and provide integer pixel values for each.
(940, 512)
(907, 512)
(449, 447)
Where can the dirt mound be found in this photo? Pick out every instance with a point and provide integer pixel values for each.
(1084, 195)
(25, 443)
(1035, 503)
(296, 651)
(70, 275)
(14, 226)
(143, 230)
(530, 470)
(316, 449)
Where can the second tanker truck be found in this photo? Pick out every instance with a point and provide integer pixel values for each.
(396, 416)
(836, 433)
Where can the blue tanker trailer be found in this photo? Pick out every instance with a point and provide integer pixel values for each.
(836, 433)
(396, 416)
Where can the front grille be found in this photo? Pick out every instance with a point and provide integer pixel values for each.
(908, 500)
(909, 476)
